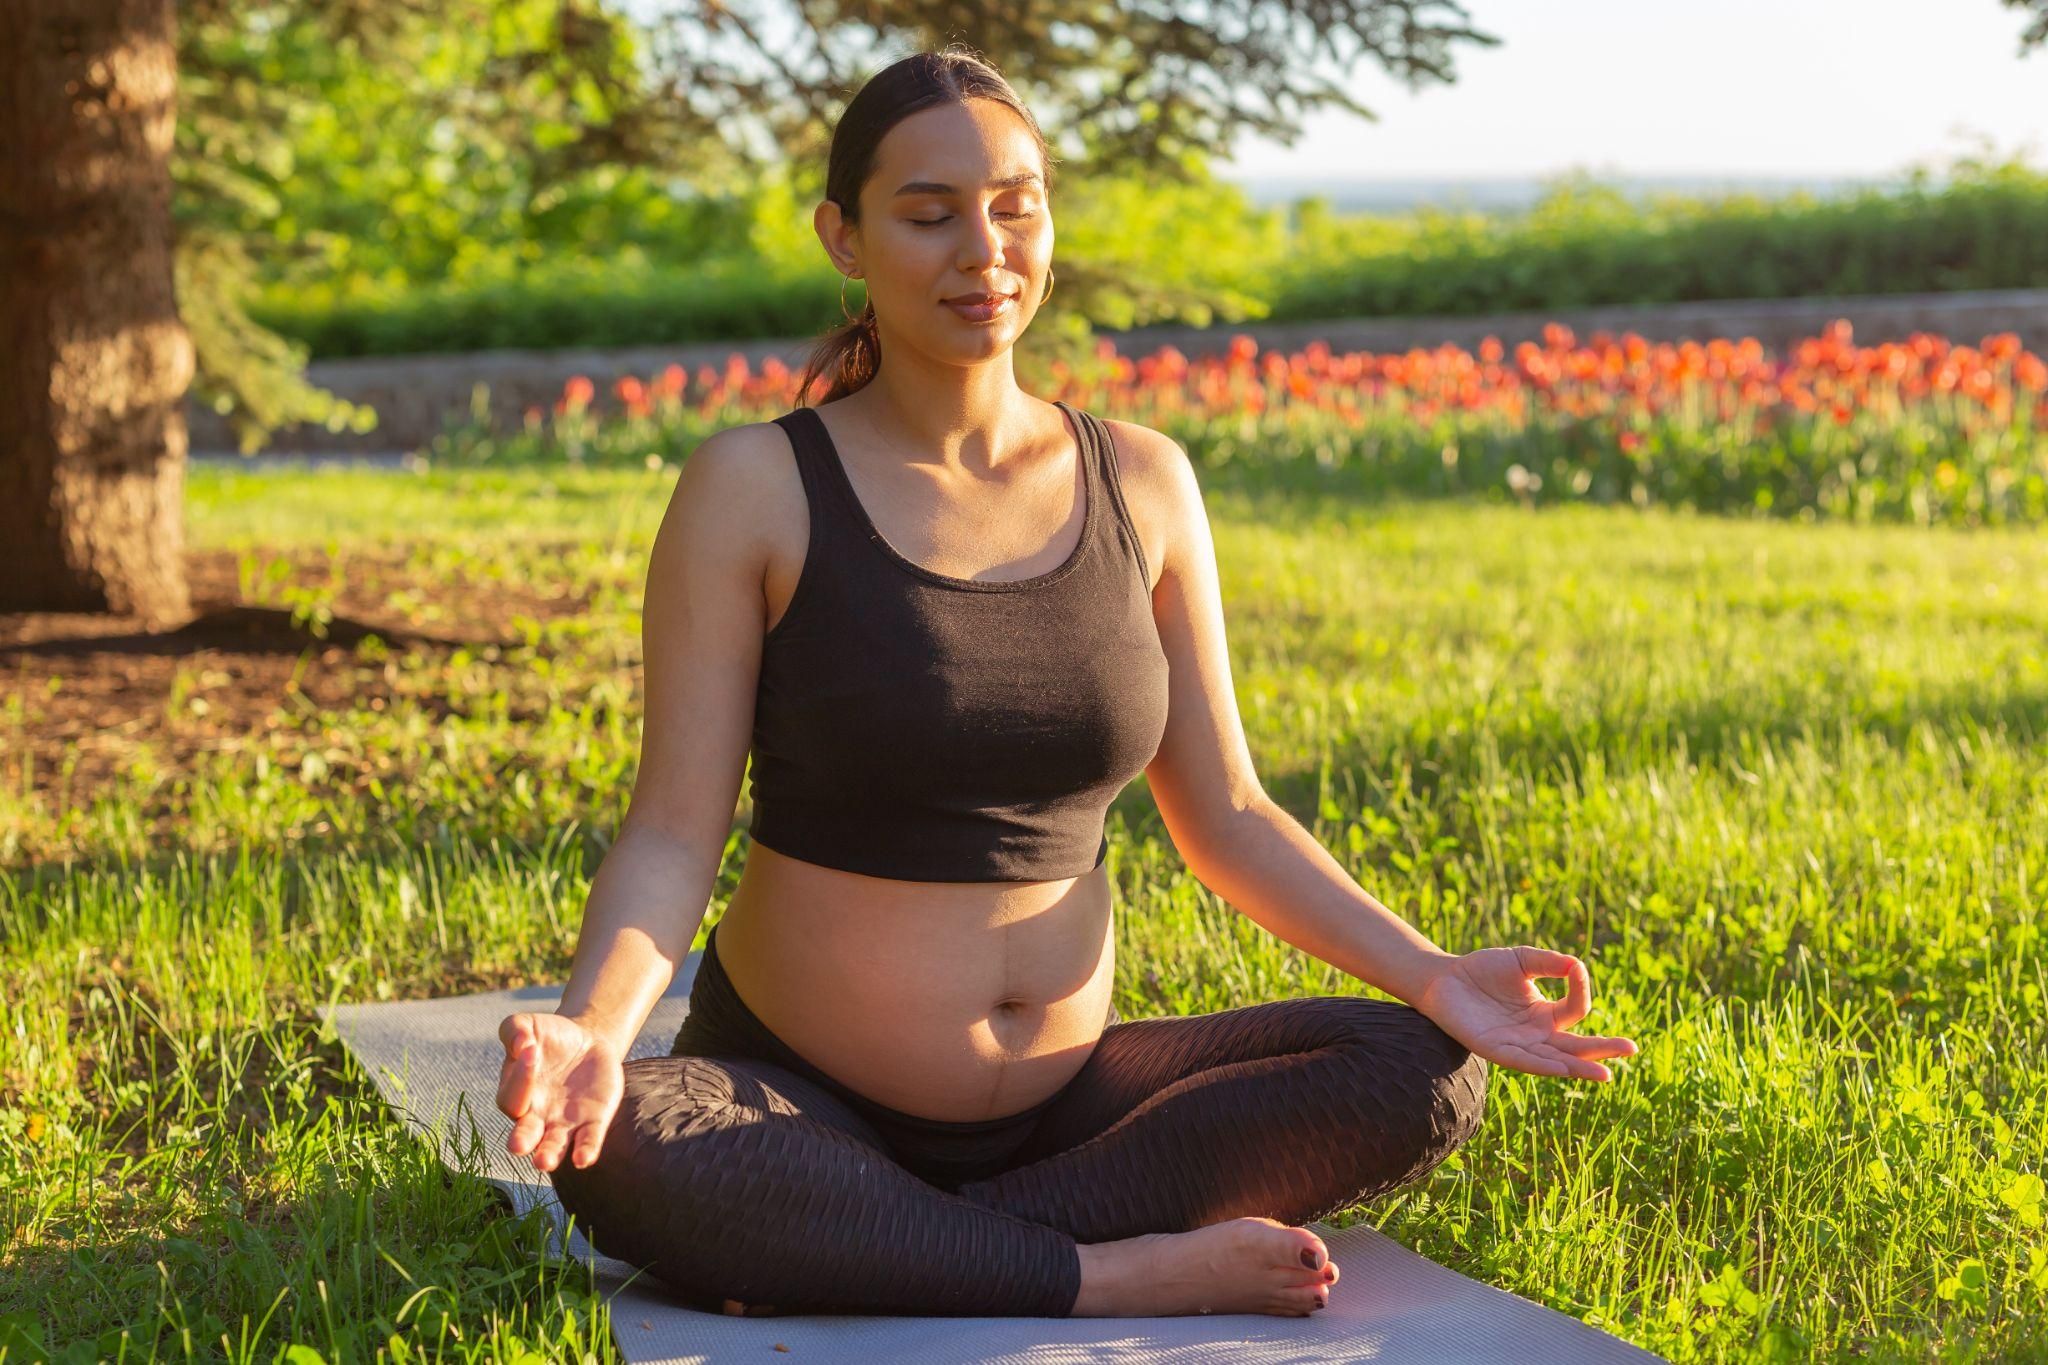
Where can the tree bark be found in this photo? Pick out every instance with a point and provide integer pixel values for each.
(96, 361)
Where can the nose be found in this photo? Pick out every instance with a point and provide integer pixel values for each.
(982, 247)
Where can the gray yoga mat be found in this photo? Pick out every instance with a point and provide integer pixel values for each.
(436, 1062)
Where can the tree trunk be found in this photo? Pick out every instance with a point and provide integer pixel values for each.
(95, 364)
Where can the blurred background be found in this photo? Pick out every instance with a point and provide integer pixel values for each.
(353, 181)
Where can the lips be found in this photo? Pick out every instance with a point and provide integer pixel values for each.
(981, 307)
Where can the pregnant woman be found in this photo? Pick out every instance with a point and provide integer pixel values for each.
(951, 621)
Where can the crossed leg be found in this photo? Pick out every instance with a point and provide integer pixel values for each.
(732, 1178)
(1287, 1109)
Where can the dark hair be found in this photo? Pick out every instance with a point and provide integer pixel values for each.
(849, 353)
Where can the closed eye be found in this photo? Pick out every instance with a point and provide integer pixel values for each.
(934, 222)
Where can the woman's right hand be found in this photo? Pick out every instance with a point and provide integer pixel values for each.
(560, 1084)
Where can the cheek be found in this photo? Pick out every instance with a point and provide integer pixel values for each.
(918, 252)
(1037, 248)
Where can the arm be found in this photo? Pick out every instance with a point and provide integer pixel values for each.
(1240, 844)
(646, 903)
(1235, 839)
(1280, 877)
(702, 624)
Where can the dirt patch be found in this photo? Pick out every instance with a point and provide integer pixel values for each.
(83, 692)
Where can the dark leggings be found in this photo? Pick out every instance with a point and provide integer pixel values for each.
(735, 1169)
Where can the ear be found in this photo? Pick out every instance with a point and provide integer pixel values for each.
(838, 236)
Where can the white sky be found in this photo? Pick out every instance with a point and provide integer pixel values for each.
(1795, 87)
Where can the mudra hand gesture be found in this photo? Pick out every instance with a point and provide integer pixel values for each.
(1488, 1001)
(559, 1083)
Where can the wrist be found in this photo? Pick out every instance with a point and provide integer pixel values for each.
(1418, 971)
(604, 1033)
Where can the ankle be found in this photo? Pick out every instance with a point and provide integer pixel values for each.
(1109, 1270)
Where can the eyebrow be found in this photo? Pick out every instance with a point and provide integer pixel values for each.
(934, 187)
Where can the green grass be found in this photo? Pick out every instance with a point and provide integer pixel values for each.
(1781, 784)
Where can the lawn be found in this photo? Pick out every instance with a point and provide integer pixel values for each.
(1782, 785)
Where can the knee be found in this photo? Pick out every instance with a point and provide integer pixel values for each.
(1420, 1080)
(706, 1167)
(1460, 1091)
(618, 1200)
(592, 1193)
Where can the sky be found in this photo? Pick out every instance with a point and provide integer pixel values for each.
(1657, 87)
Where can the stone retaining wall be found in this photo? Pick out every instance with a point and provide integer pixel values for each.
(416, 396)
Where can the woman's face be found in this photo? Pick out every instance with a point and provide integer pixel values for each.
(956, 207)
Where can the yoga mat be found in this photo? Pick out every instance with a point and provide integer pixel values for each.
(436, 1062)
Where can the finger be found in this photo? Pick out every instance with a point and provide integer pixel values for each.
(1573, 1068)
(1526, 1059)
(1580, 1068)
(1544, 1060)
(1594, 1045)
(548, 1154)
(525, 1133)
(1578, 994)
(589, 1141)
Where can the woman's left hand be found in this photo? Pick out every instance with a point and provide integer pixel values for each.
(1488, 1001)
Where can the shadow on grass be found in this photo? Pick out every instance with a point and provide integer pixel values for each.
(239, 630)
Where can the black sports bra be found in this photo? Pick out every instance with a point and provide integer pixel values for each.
(914, 725)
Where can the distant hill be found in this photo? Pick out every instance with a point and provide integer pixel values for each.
(1506, 194)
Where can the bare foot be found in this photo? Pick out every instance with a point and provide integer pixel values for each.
(735, 1309)
(1241, 1265)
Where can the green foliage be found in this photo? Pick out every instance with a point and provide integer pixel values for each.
(314, 132)
(563, 302)
(1145, 249)
(1585, 244)
(252, 375)
(1130, 251)
(357, 147)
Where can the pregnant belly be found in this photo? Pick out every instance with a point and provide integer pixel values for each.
(948, 1000)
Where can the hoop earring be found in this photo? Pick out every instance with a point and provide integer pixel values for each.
(1048, 288)
(842, 298)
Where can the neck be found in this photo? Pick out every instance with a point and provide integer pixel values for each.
(968, 417)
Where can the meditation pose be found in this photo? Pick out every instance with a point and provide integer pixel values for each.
(950, 622)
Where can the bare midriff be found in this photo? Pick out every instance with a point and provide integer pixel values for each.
(947, 1000)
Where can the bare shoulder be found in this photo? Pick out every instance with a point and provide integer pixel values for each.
(1159, 486)
(740, 488)
(751, 460)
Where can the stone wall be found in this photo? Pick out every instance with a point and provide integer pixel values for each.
(416, 396)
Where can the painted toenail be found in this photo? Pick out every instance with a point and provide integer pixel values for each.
(1308, 1258)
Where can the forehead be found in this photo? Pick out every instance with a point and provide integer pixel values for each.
(966, 145)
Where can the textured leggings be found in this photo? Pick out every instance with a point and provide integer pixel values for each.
(735, 1169)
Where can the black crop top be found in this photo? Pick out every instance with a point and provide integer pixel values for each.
(914, 725)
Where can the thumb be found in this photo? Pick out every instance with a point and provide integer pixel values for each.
(518, 1073)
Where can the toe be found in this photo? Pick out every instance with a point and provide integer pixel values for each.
(1304, 1298)
(1268, 1241)
(1305, 1249)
